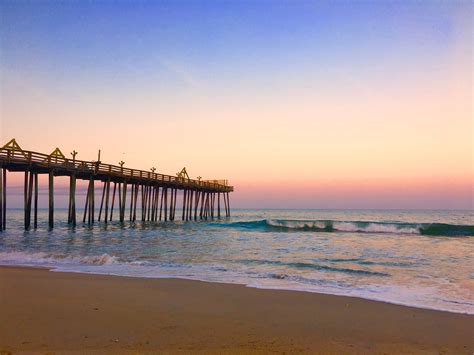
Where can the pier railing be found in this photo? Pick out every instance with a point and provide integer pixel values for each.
(8, 155)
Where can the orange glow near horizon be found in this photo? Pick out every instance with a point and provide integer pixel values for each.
(378, 122)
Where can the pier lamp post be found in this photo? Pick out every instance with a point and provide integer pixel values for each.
(199, 179)
(153, 171)
(74, 153)
(121, 162)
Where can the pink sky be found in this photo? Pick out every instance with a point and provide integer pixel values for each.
(377, 119)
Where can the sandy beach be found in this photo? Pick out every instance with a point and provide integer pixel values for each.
(45, 311)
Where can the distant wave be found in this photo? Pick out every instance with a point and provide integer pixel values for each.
(282, 225)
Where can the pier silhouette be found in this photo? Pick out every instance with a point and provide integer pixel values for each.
(158, 193)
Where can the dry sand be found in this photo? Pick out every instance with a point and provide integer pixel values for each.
(46, 312)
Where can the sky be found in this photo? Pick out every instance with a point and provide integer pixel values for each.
(299, 104)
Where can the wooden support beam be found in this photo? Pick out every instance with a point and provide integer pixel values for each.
(219, 205)
(73, 209)
(171, 203)
(102, 200)
(196, 203)
(89, 218)
(89, 210)
(69, 203)
(225, 204)
(143, 201)
(113, 201)
(35, 218)
(228, 205)
(166, 204)
(212, 204)
(1, 198)
(206, 206)
(25, 200)
(51, 199)
(72, 200)
(92, 199)
(131, 200)
(191, 203)
(188, 198)
(149, 201)
(157, 203)
(162, 197)
(124, 200)
(120, 203)
(30, 199)
(175, 198)
(107, 193)
(137, 187)
(202, 204)
(209, 201)
(152, 202)
(184, 203)
(86, 206)
(4, 198)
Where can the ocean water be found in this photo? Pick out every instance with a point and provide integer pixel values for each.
(417, 258)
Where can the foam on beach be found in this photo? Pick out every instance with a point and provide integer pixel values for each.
(396, 257)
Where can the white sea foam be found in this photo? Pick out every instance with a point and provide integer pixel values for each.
(105, 264)
(374, 228)
(51, 260)
(346, 226)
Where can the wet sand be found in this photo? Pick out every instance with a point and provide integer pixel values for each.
(45, 311)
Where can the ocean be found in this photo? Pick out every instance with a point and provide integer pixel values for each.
(417, 258)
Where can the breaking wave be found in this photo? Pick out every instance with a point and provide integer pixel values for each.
(280, 225)
(50, 259)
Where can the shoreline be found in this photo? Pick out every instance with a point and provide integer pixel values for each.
(106, 313)
(58, 270)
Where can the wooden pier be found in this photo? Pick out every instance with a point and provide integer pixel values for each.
(121, 187)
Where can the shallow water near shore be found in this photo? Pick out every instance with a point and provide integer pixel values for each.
(416, 258)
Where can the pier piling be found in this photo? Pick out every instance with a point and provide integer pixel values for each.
(51, 199)
(35, 217)
(1, 198)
